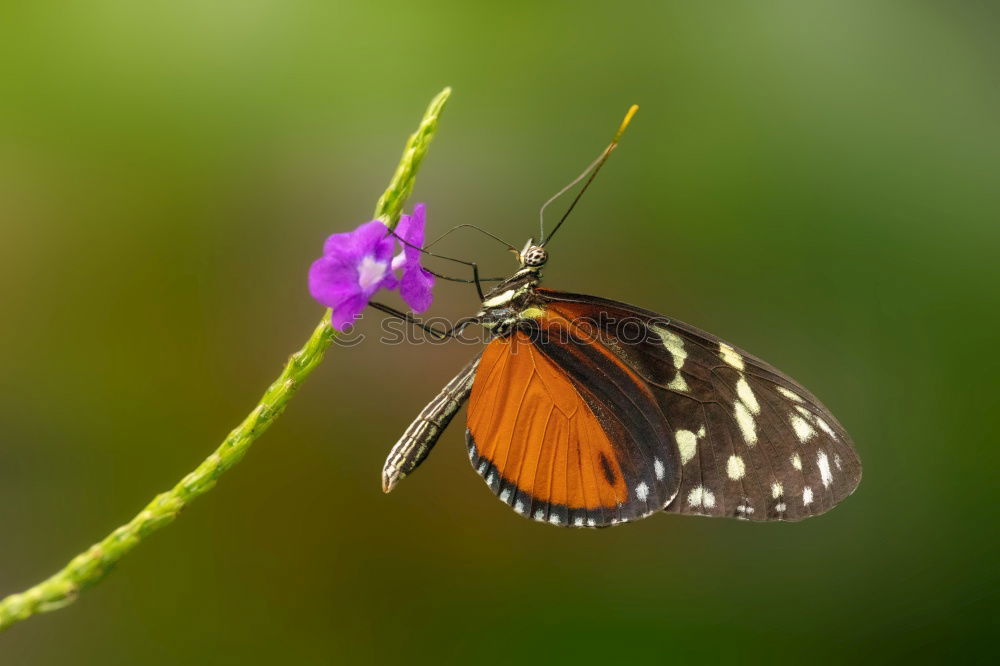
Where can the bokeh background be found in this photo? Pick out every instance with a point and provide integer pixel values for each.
(816, 182)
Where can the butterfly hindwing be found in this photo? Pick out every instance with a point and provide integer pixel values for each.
(567, 434)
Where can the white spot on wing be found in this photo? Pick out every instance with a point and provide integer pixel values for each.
(701, 496)
(675, 346)
(746, 423)
(519, 507)
(802, 429)
(746, 395)
(780, 507)
(807, 496)
(687, 441)
(578, 522)
(505, 495)
(776, 490)
(825, 427)
(796, 462)
(735, 468)
(788, 394)
(658, 468)
(539, 515)
(555, 520)
(824, 469)
(729, 355)
(642, 491)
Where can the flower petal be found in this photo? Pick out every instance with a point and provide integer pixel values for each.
(346, 312)
(413, 232)
(356, 243)
(332, 280)
(384, 246)
(417, 283)
(416, 288)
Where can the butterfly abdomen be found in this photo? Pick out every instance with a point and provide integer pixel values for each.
(421, 436)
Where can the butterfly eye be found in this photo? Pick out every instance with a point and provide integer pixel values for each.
(535, 256)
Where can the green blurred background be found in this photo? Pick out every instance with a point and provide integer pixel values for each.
(816, 182)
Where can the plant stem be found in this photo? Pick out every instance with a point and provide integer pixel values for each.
(90, 566)
(391, 203)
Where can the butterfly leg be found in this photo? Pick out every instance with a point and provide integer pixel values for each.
(464, 280)
(450, 332)
(475, 268)
(423, 433)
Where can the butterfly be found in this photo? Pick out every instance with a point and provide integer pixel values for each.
(588, 412)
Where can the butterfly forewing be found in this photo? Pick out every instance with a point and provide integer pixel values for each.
(750, 442)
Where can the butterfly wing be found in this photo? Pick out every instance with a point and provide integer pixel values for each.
(567, 434)
(750, 442)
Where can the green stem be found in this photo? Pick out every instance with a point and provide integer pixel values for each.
(390, 204)
(90, 566)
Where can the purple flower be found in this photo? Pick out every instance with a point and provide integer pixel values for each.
(353, 267)
(417, 283)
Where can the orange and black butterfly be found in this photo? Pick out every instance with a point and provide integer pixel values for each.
(587, 412)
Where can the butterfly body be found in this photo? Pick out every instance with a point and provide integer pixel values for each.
(510, 302)
(588, 412)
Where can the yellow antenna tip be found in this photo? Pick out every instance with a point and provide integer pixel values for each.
(628, 118)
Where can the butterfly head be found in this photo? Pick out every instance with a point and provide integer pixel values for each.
(533, 256)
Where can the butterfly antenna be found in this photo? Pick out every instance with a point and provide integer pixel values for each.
(592, 170)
